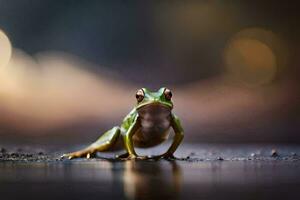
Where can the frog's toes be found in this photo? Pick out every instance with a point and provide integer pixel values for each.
(64, 156)
(130, 157)
(142, 157)
(127, 156)
(70, 156)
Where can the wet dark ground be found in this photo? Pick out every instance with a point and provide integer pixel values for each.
(205, 171)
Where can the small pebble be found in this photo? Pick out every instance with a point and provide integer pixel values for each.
(14, 154)
(220, 158)
(274, 153)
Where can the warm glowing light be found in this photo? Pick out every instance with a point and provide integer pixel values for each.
(43, 89)
(182, 25)
(255, 56)
(273, 41)
(5, 49)
(251, 61)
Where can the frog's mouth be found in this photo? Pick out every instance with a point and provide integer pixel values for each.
(154, 109)
(155, 105)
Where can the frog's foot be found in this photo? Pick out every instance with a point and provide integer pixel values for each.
(79, 154)
(164, 156)
(105, 142)
(133, 157)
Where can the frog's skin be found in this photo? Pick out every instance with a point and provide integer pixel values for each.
(147, 125)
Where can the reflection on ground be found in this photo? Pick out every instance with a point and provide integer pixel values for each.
(141, 179)
(98, 179)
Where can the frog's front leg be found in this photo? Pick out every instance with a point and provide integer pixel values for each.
(107, 140)
(179, 134)
(128, 142)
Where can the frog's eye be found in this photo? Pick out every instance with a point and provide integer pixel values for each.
(139, 95)
(168, 94)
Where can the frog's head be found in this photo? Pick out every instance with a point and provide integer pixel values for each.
(162, 98)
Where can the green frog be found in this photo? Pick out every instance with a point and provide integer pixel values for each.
(147, 125)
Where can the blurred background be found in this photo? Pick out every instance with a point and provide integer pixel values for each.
(69, 70)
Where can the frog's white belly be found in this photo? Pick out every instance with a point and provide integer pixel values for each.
(155, 121)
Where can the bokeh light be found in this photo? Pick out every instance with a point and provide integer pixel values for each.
(5, 50)
(56, 90)
(254, 56)
(251, 61)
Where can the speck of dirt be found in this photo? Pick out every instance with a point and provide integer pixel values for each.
(274, 153)
(220, 158)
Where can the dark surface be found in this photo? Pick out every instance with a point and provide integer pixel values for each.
(206, 172)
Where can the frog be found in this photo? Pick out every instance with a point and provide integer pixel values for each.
(147, 125)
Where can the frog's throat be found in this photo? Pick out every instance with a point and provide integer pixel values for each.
(155, 103)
